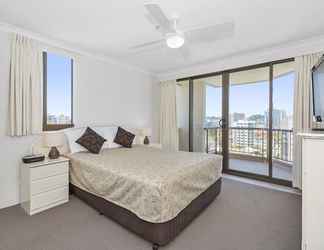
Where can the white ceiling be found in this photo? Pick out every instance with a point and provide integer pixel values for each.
(110, 27)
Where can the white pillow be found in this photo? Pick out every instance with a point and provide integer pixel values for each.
(138, 139)
(72, 135)
(109, 134)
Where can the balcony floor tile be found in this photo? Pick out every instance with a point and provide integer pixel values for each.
(279, 171)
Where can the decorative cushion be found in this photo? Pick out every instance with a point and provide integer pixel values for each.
(72, 134)
(91, 141)
(124, 138)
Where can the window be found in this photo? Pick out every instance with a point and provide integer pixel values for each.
(245, 114)
(282, 120)
(58, 89)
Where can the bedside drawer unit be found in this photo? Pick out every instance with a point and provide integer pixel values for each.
(48, 199)
(50, 183)
(44, 185)
(42, 172)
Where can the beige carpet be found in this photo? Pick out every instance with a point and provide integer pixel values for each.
(244, 217)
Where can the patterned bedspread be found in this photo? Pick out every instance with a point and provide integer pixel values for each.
(152, 183)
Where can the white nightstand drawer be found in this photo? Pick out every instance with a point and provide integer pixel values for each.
(48, 170)
(47, 184)
(48, 198)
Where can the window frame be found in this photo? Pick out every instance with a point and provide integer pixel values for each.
(225, 105)
(53, 127)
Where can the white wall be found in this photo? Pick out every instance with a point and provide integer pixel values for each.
(105, 93)
(281, 51)
(108, 94)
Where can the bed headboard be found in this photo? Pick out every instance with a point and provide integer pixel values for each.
(39, 145)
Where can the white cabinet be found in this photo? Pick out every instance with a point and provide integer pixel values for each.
(44, 184)
(313, 195)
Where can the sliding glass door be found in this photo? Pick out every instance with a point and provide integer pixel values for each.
(248, 125)
(243, 114)
(282, 120)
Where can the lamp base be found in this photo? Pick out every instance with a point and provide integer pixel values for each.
(146, 140)
(53, 153)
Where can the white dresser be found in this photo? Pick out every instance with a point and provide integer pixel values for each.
(44, 184)
(313, 191)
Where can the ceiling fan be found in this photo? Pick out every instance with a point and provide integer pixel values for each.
(175, 38)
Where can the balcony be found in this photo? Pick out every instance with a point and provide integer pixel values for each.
(248, 149)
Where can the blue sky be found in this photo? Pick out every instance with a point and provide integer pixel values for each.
(253, 98)
(58, 84)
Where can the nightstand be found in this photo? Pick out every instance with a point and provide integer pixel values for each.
(44, 184)
(154, 145)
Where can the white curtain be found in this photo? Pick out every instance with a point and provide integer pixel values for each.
(169, 137)
(302, 108)
(25, 100)
(199, 113)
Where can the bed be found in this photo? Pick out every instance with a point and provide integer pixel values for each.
(152, 192)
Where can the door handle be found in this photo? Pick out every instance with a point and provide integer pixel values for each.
(222, 123)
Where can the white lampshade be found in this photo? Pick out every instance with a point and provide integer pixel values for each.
(53, 139)
(147, 131)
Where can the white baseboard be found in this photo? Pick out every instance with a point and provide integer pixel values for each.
(263, 184)
(11, 203)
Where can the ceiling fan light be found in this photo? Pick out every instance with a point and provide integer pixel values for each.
(175, 40)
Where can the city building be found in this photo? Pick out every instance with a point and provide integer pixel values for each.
(237, 117)
(51, 119)
(60, 119)
(212, 122)
(280, 119)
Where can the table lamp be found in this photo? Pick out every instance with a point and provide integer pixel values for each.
(147, 132)
(53, 140)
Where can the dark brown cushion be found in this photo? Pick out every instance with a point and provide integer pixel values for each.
(124, 138)
(91, 141)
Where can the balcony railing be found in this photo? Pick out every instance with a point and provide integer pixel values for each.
(252, 142)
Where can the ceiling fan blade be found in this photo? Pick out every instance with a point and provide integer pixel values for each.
(151, 20)
(160, 18)
(210, 33)
(148, 46)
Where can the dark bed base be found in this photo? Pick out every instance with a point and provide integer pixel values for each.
(159, 234)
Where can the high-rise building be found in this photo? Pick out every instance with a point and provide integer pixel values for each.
(51, 119)
(212, 122)
(246, 138)
(260, 121)
(242, 136)
(280, 120)
(60, 119)
(235, 117)
(63, 119)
